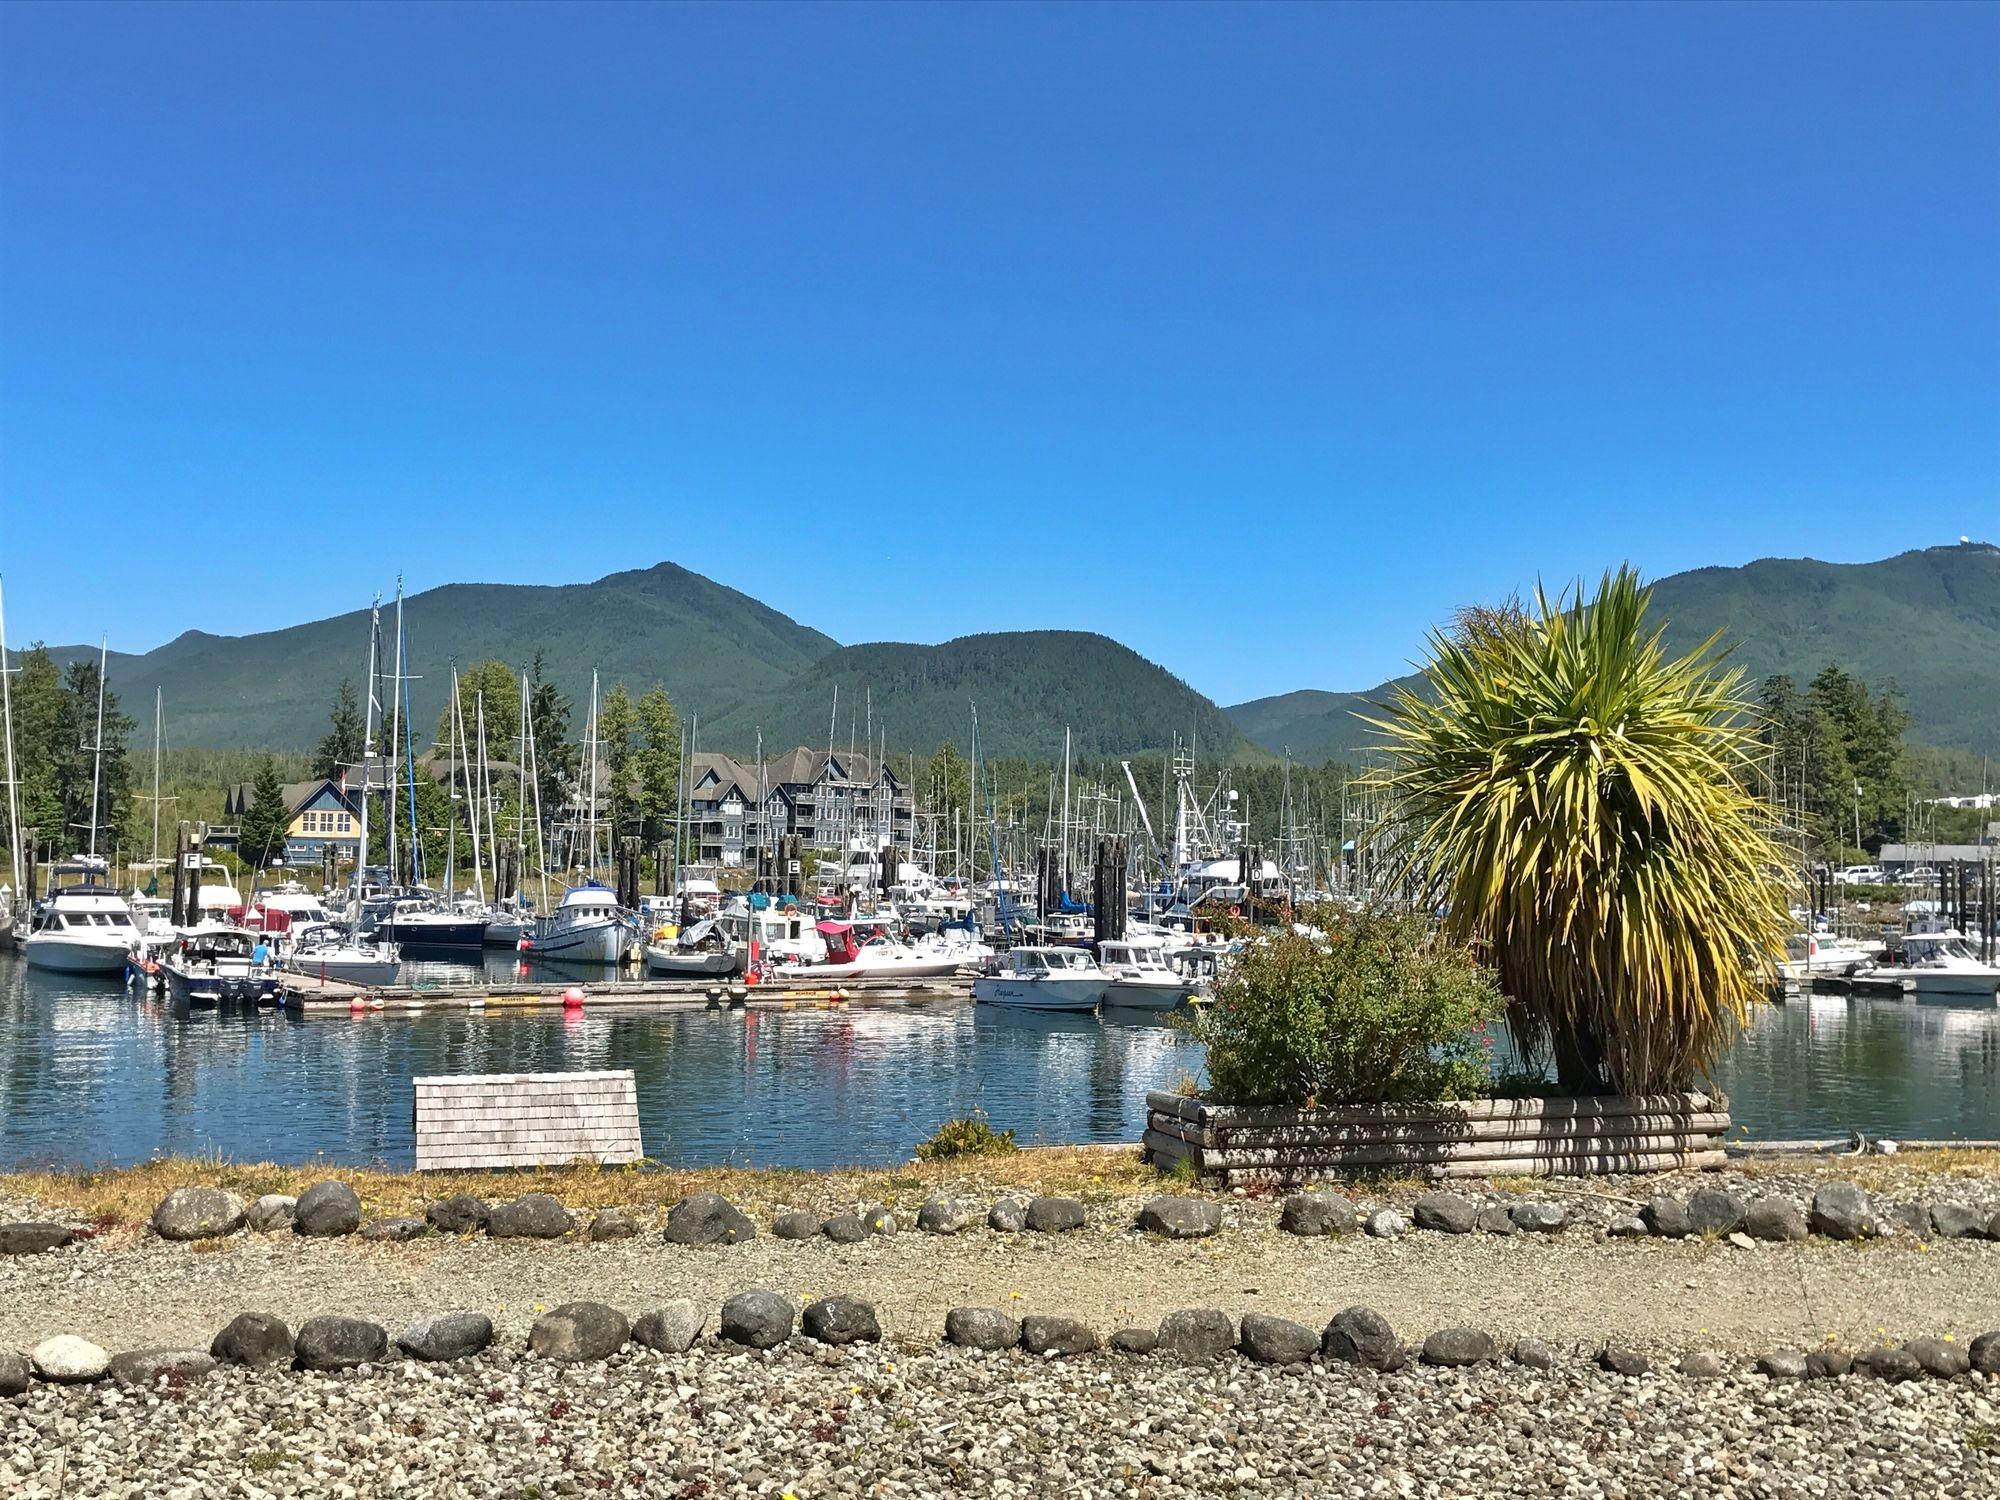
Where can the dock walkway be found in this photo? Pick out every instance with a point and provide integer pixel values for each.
(325, 997)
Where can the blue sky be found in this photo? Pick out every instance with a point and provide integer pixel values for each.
(1259, 338)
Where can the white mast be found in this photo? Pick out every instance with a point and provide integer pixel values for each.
(471, 793)
(97, 750)
(531, 772)
(1063, 870)
(395, 736)
(156, 782)
(13, 795)
(590, 749)
(367, 752)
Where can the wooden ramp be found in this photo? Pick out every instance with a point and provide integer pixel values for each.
(493, 1120)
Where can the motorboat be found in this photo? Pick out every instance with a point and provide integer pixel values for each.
(588, 927)
(1043, 979)
(879, 957)
(418, 926)
(507, 922)
(1138, 977)
(215, 965)
(324, 952)
(1941, 963)
(701, 951)
(1809, 953)
(84, 927)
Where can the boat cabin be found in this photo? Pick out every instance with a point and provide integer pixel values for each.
(1049, 963)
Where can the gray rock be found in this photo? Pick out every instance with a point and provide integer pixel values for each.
(1776, 1219)
(1180, 1218)
(1783, 1364)
(578, 1331)
(1955, 1221)
(942, 1215)
(326, 1210)
(1985, 1353)
(1627, 1227)
(1054, 1215)
(1046, 1335)
(1888, 1364)
(1666, 1217)
(1385, 1224)
(879, 1219)
(1939, 1357)
(981, 1328)
(1828, 1364)
(33, 1238)
(1316, 1213)
(1135, 1341)
(1841, 1211)
(1714, 1211)
(394, 1231)
(1534, 1354)
(69, 1360)
(1455, 1347)
(1536, 1217)
(1197, 1335)
(1627, 1362)
(845, 1229)
(337, 1343)
(1703, 1364)
(198, 1213)
(461, 1213)
(272, 1212)
(1362, 1336)
(841, 1320)
(1447, 1213)
(1009, 1216)
(1993, 1226)
(15, 1373)
(1276, 1341)
(147, 1367)
(611, 1224)
(452, 1335)
(1904, 1218)
(253, 1339)
(532, 1216)
(762, 1319)
(1495, 1218)
(708, 1219)
(671, 1327)
(798, 1226)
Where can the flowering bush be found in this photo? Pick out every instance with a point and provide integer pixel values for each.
(1374, 1009)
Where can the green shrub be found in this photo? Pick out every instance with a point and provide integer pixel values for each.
(971, 1136)
(1377, 1010)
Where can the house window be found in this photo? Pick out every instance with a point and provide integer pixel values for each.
(346, 823)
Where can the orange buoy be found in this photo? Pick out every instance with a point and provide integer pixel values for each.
(572, 998)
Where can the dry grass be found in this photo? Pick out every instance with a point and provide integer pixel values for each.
(124, 1197)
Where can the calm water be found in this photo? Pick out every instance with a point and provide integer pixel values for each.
(90, 1074)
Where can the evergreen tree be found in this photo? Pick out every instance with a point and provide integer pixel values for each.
(556, 758)
(657, 764)
(494, 684)
(260, 834)
(341, 749)
(617, 722)
(84, 788)
(39, 703)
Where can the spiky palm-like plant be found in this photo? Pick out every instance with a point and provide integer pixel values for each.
(1576, 796)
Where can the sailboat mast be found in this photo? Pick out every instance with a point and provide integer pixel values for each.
(590, 749)
(156, 782)
(13, 794)
(367, 750)
(395, 740)
(466, 779)
(97, 750)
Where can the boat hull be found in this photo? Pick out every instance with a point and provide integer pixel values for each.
(220, 989)
(435, 938)
(579, 943)
(1038, 994)
(356, 969)
(664, 960)
(62, 953)
(1141, 994)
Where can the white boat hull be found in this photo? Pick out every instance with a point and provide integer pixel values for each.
(664, 959)
(1943, 982)
(1142, 994)
(1038, 994)
(356, 968)
(507, 932)
(76, 953)
(581, 942)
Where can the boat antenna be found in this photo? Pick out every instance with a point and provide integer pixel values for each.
(13, 794)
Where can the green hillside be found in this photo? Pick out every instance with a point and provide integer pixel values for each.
(1929, 619)
(1027, 685)
(705, 642)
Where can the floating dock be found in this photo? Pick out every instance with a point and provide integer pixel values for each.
(328, 997)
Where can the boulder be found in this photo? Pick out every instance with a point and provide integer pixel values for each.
(253, 1339)
(1362, 1336)
(1955, 1221)
(841, 1320)
(1447, 1213)
(579, 1331)
(337, 1343)
(198, 1213)
(1627, 1227)
(1276, 1341)
(981, 1328)
(1993, 1226)
(326, 1210)
(798, 1226)
(1536, 1217)
(1009, 1216)
(1197, 1335)
(1135, 1341)
(609, 1224)
(1703, 1364)
(69, 1360)
(272, 1212)
(1180, 1218)
(879, 1219)
(1533, 1354)
(1904, 1217)
(1984, 1353)
(1666, 1217)
(33, 1238)
(942, 1215)
(759, 1318)
(1054, 1215)
(1627, 1362)
(1828, 1364)
(145, 1368)
(1888, 1364)
(1841, 1211)
(1776, 1219)
(1783, 1364)
(1046, 1335)
(1385, 1224)
(532, 1216)
(1495, 1218)
(845, 1229)
(708, 1219)
(394, 1231)
(1455, 1347)
(1714, 1211)
(461, 1213)
(1317, 1213)
(15, 1373)
(1940, 1357)
(671, 1327)
(452, 1335)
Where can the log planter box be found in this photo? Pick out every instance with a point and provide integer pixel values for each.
(1483, 1138)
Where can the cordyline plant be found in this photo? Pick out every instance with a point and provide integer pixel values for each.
(1576, 798)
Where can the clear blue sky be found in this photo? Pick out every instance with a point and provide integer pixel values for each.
(1258, 338)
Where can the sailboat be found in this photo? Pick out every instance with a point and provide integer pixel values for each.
(588, 927)
(14, 901)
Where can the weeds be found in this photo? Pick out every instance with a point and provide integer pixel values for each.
(971, 1136)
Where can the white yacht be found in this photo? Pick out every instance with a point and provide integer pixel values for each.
(1043, 979)
(324, 952)
(1138, 977)
(1941, 963)
(85, 927)
(588, 928)
(216, 898)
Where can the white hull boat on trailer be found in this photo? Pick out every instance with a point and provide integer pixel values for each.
(1065, 979)
(587, 928)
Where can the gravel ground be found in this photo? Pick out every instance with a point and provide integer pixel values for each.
(809, 1422)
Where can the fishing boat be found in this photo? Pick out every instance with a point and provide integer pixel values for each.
(220, 965)
(588, 927)
(1043, 979)
(1941, 963)
(84, 927)
(1138, 977)
(701, 950)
